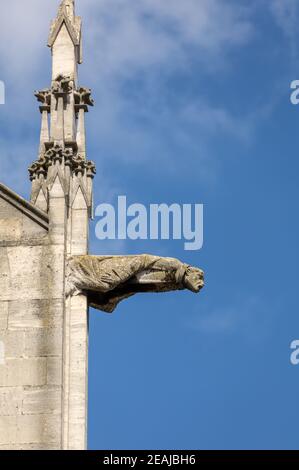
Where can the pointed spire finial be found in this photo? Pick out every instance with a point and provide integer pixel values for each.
(66, 15)
(67, 7)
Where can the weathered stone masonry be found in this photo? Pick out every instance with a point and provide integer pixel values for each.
(43, 381)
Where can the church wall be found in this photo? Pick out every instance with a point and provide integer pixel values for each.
(31, 323)
(43, 380)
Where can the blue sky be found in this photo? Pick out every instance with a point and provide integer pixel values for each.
(192, 106)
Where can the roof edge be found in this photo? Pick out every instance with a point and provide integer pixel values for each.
(37, 215)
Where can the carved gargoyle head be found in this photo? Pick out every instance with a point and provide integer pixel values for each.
(67, 7)
(194, 279)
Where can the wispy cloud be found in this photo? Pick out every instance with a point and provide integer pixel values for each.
(135, 49)
(248, 316)
(286, 14)
(132, 51)
(15, 158)
(134, 36)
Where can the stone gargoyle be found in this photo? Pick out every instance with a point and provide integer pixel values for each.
(107, 280)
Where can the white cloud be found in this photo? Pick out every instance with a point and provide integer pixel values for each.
(149, 41)
(15, 158)
(143, 34)
(123, 37)
(144, 41)
(286, 14)
(247, 316)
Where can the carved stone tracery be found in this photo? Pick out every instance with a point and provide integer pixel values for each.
(64, 154)
(67, 157)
